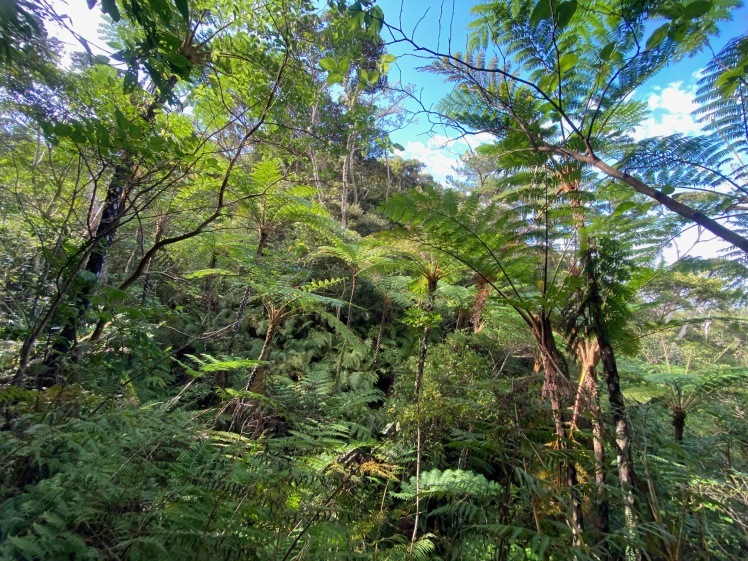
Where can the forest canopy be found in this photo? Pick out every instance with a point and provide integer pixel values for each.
(238, 321)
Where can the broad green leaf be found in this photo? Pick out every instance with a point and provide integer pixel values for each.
(122, 121)
(183, 8)
(344, 65)
(62, 129)
(78, 133)
(677, 31)
(567, 62)
(697, 9)
(389, 58)
(369, 77)
(162, 9)
(541, 11)
(334, 78)
(564, 13)
(658, 36)
(135, 131)
(606, 51)
(179, 60)
(329, 64)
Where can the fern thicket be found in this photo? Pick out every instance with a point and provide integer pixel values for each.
(249, 379)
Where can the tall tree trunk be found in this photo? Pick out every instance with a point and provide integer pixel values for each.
(106, 230)
(588, 395)
(389, 174)
(556, 387)
(615, 395)
(422, 352)
(314, 120)
(160, 230)
(346, 178)
(247, 294)
(352, 176)
(103, 237)
(570, 183)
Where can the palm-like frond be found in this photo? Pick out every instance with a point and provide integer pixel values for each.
(726, 113)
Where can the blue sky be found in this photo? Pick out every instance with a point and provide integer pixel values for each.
(442, 24)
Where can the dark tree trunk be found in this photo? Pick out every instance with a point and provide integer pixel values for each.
(624, 456)
(679, 424)
(111, 213)
(262, 242)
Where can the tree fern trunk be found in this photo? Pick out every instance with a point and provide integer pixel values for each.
(422, 352)
(556, 388)
(615, 395)
(588, 395)
(483, 291)
(257, 375)
(679, 424)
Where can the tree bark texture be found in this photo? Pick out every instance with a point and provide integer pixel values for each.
(588, 395)
(557, 389)
(483, 291)
(111, 214)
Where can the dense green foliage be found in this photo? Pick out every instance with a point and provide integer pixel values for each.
(235, 324)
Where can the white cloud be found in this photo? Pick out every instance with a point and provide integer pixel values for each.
(439, 159)
(442, 154)
(673, 98)
(671, 109)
